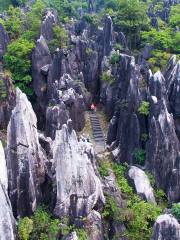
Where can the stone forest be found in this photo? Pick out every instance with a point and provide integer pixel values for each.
(89, 120)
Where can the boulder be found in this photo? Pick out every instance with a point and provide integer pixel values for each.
(25, 158)
(166, 227)
(141, 183)
(4, 40)
(79, 190)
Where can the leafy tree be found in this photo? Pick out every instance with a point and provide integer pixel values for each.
(17, 60)
(131, 18)
(174, 19)
(33, 21)
(60, 39)
(13, 22)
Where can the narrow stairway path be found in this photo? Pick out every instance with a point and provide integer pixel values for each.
(98, 135)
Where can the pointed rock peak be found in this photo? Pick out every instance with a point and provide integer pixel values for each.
(3, 168)
(78, 187)
(158, 76)
(25, 159)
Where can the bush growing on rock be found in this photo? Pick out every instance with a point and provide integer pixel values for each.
(176, 210)
(114, 58)
(60, 39)
(107, 77)
(144, 108)
(140, 155)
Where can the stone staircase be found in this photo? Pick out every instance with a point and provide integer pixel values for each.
(98, 135)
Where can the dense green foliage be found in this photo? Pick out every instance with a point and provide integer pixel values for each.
(176, 210)
(17, 60)
(40, 226)
(23, 31)
(4, 4)
(43, 226)
(144, 108)
(107, 77)
(60, 38)
(138, 215)
(140, 155)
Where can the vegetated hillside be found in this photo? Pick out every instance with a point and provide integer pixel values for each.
(56, 59)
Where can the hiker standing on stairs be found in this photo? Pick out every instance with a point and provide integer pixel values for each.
(93, 107)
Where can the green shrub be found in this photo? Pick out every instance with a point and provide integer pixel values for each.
(60, 39)
(144, 108)
(114, 58)
(103, 168)
(176, 210)
(111, 209)
(161, 198)
(40, 226)
(117, 46)
(144, 137)
(140, 226)
(81, 233)
(107, 77)
(140, 155)
(17, 60)
(25, 227)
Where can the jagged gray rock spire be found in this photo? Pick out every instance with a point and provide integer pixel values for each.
(41, 58)
(163, 152)
(7, 221)
(79, 190)
(142, 185)
(174, 96)
(25, 159)
(166, 227)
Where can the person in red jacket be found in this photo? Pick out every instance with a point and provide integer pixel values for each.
(93, 107)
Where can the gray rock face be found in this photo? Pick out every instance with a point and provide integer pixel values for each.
(94, 226)
(25, 159)
(81, 191)
(71, 236)
(48, 23)
(3, 169)
(163, 149)
(174, 97)
(108, 35)
(125, 96)
(141, 183)
(7, 99)
(41, 58)
(56, 116)
(7, 221)
(4, 40)
(166, 227)
(67, 101)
